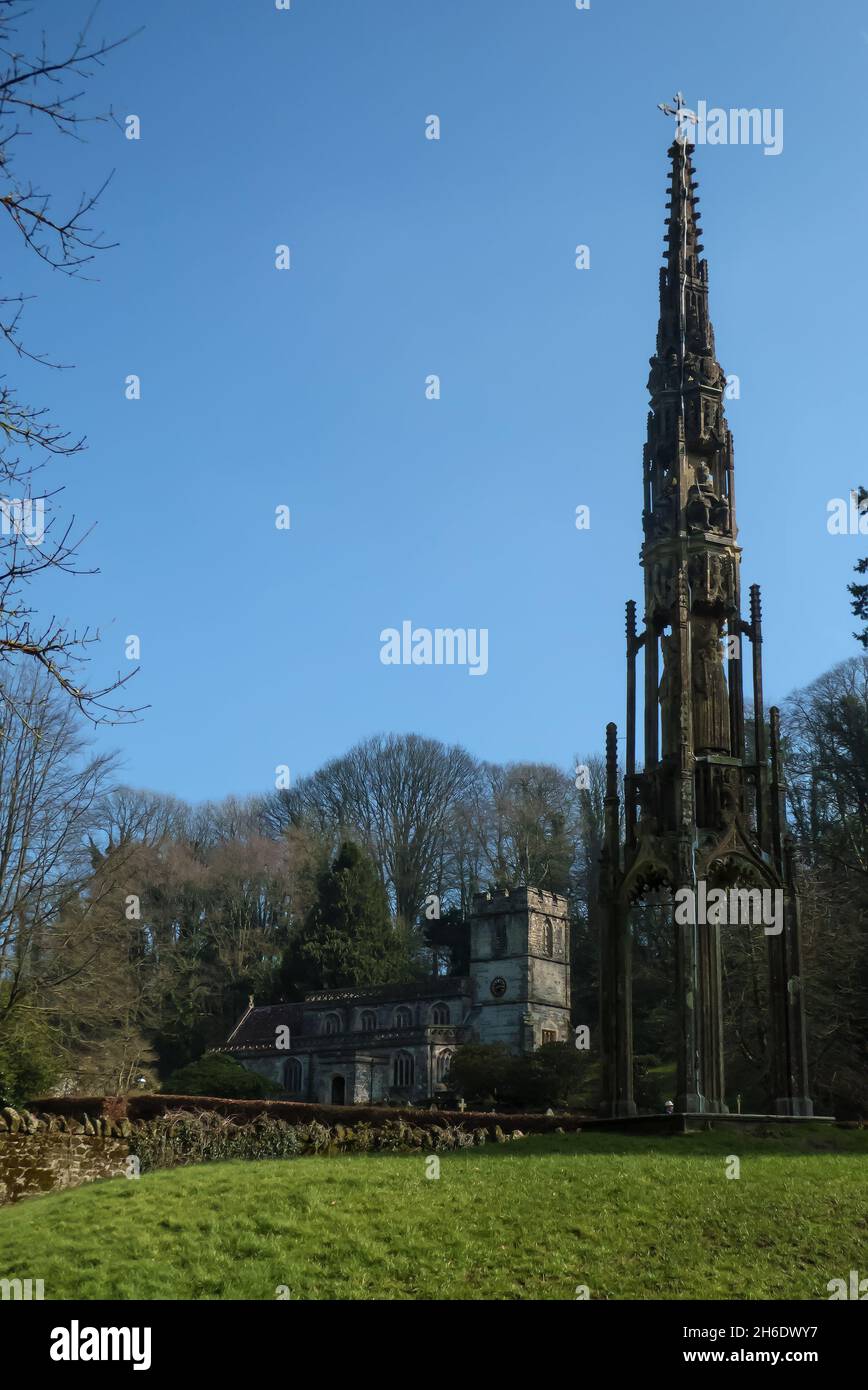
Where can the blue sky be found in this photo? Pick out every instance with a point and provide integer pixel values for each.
(456, 257)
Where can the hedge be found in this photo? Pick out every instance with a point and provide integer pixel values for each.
(146, 1106)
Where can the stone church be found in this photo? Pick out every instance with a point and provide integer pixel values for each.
(395, 1042)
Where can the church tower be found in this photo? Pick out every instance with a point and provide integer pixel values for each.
(705, 812)
(520, 968)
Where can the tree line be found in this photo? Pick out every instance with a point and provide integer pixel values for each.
(134, 927)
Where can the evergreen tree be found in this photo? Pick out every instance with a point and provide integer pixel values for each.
(859, 592)
(347, 939)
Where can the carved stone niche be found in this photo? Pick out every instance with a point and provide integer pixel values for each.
(719, 795)
(712, 581)
(700, 423)
(645, 791)
(711, 733)
(665, 507)
(662, 587)
(705, 510)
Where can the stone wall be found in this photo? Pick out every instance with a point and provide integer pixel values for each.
(45, 1154)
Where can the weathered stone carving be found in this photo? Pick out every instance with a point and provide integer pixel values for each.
(711, 699)
(663, 586)
(705, 510)
(668, 695)
(711, 580)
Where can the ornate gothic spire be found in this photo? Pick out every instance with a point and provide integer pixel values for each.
(683, 316)
(701, 812)
(688, 457)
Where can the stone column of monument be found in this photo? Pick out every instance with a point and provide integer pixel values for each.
(703, 810)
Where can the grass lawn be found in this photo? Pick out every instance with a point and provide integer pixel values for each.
(628, 1217)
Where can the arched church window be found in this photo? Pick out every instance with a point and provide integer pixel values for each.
(332, 1024)
(292, 1076)
(499, 939)
(369, 1021)
(442, 1063)
(548, 938)
(403, 1069)
(403, 1017)
(440, 1013)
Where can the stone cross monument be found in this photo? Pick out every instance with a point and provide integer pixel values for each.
(705, 812)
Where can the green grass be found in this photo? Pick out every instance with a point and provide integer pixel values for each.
(629, 1217)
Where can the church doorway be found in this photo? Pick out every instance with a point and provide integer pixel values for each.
(339, 1090)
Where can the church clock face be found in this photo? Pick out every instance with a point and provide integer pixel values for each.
(498, 986)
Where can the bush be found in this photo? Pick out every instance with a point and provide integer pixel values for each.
(28, 1065)
(480, 1072)
(651, 1089)
(215, 1074)
(550, 1075)
(183, 1137)
(139, 1106)
(488, 1073)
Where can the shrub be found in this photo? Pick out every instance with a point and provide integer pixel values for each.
(480, 1072)
(489, 1073)
(215, 1074)
(28, 1064)
(183, 1137)
(140, 1105)
(549, 1075)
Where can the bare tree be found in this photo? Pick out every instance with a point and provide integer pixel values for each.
(127, 815)
(41, 88)
(396, 792)
(525, 814)
(51, 930)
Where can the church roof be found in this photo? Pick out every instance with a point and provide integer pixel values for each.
(256, 1030)
(439, 987)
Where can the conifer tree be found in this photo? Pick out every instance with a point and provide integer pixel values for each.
(348, 939)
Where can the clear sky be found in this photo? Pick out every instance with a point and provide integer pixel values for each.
(412, 257)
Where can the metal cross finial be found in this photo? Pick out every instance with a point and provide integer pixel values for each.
(683, 115)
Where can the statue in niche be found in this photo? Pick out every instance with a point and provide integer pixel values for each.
(710, 695)
(669, 693)
(721, 581)
(672, 371)
(666, 506)
(647, 800)
(710, 578)
(710, 372)
(720, 514)
(715, 578)
(663, 587)
(705, 511)
(727, 797)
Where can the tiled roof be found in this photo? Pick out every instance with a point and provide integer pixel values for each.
(257, 1029)
(438, 987)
